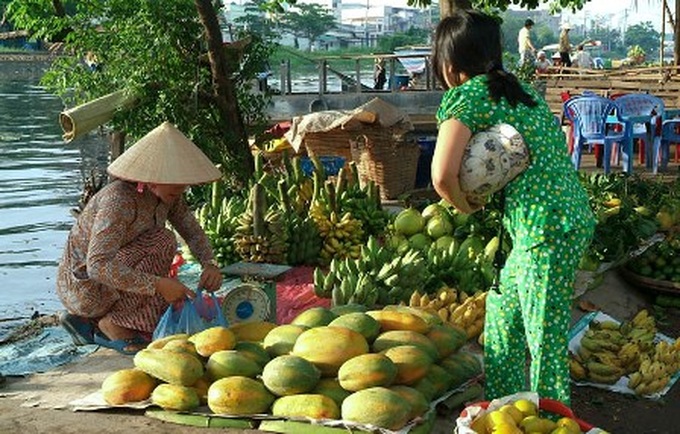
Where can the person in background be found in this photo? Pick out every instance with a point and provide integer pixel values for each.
(113, 275)
(583, 59)
(546, 210)
(379, 74)
(542, 63)
(565, 46)
(526, 48)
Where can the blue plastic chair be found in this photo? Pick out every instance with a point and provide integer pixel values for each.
(670, 133)
(590, 116)
(639, 112)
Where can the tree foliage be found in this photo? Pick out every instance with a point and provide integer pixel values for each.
(308, 20)
(161, 53)
(413, 36)
(644, 36)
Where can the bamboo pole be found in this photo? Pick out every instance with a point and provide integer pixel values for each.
(82, 119)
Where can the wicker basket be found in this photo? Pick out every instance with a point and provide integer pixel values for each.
(655, 285)
(391, 163)
(336, 142)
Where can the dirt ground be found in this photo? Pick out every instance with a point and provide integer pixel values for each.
(39, 403)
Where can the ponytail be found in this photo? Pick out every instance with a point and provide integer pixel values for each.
(504, 84)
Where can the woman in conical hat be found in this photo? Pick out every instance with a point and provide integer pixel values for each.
(113, 276)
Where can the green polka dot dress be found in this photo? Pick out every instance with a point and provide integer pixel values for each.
(550, 222)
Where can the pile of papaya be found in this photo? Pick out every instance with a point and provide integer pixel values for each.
(378, 367)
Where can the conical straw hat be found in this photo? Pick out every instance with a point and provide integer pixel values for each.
(164, 156)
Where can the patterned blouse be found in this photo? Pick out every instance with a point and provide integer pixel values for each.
(547, 198)
(115, 216)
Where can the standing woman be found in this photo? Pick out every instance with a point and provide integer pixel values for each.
(546, 211)
(113, 276)
(565, 46)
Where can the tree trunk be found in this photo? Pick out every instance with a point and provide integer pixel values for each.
(224, 90)
(447, 7)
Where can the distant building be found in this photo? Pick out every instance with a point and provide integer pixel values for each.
(359, 24)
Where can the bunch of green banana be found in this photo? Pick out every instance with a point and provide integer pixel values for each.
(304, 241)
(379, 276)
(219, 218)
(363, 202)
(261, 237)
(655, 372)
(342, 235)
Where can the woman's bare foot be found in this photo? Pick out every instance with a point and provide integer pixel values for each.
(115, 333)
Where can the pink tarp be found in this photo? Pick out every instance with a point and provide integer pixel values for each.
(295, 293)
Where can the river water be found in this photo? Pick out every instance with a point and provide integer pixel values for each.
(41, 179)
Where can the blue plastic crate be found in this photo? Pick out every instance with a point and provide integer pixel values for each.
(331, 165)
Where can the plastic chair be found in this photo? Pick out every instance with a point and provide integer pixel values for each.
(639, 112)
(591, 116)
(670, 133)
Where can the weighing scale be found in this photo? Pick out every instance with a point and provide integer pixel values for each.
(255, 298)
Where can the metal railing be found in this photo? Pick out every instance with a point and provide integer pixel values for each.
(353, 82)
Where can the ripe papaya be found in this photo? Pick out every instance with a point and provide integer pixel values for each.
(170, 366)
(399, 320)
(212, 340)
(182, 345)
(229, 363)
(314, 317)
(239, 396)
(290, 375)
(419, 405)
(331, 388)
(367, 370)
(360, 322)
(411, 361)
(127, 385)
(377, 406)
(251, 331)
(254, 351)
(280, 340)
(160, 343)
(329, 347)
(394, 338)
(174, 397)
(306, 405)
(447, 339)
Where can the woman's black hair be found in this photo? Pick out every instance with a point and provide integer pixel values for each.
(470, 42)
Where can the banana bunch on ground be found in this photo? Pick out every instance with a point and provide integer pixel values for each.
(260, 236)
(219, 218)
(655, 372)
(609, 350)
(342, 234)
(379, 276)
(455, 307)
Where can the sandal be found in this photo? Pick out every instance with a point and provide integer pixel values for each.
(121, 345)
(80, 329)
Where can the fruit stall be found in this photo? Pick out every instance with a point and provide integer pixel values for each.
(391, 327)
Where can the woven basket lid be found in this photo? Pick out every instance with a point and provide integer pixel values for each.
(165, 156)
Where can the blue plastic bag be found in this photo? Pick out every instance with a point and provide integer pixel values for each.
(191, 316)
